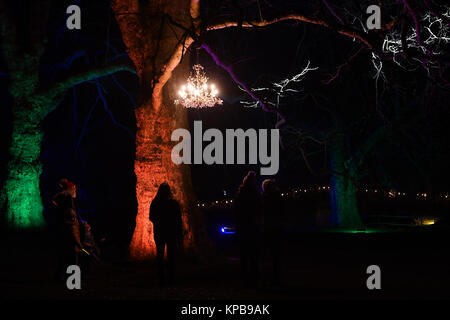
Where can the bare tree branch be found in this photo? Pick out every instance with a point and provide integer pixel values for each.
(416, 22)
(333, 11)
(347, 31)
(233, 75)
(88, 75)
(166, 71)
(340, 67)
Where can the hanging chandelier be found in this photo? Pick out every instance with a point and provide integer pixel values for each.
(197, 93)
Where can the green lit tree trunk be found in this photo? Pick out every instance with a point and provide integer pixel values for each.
(344, 203)
(22, 197)
(20, 194)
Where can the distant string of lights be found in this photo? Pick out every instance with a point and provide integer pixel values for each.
(297, 192)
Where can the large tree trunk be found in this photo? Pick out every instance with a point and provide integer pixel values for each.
(156, 49)
(344, 203)
(21, 193)
(21, 197)
(153, 166)
(22, 48)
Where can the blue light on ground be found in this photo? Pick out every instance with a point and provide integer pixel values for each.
(227, 230)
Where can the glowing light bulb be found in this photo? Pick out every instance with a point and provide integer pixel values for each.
(196, 93)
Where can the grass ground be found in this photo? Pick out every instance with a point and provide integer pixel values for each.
(315, 265)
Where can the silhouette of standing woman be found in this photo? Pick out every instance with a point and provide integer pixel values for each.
(165, 214)
(248, 224)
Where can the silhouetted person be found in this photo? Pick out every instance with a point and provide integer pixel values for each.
(165, 214)
(273, 229)
(248, 225)
(68, 243)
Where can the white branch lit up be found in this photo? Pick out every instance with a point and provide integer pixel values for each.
(197, 93)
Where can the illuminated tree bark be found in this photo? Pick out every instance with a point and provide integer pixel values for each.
(23, 198)
(20, 197)
(156, 49)
(153, 165)
(344, 203)
(20, 194)
(344, 168)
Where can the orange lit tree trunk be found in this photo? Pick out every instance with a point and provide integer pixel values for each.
(153, 165)
(156, 49)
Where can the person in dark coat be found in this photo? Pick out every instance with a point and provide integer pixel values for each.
(89, 241)
(68, 240)
(165, 214)
(273, 229)
(248, 216)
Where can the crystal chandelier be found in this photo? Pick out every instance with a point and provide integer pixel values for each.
(197, 93)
